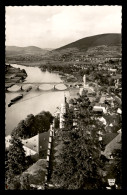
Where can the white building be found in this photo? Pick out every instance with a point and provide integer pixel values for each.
(62, 112)
(81, 91)
(119, 111)
(49, 145)
(102, 119)
(100, 107)
(35, 144)
(85, 86)
(50, 139)
(84, 81)
(29, 151)
(7, 141)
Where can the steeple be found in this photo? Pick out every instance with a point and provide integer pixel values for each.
(84, 80)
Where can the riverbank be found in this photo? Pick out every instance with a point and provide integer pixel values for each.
(28, 64)
(66, 77)
(33, 101)
(13, 75)
(54, 66)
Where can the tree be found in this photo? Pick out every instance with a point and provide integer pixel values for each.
(84, 93)
(29, 126)
(43, 121)
(23, 70)
(14, 184)
(33, 124)
(6, 164)
(25, 181)
(111, 82)
(80, 165)
(15, 160)
(115, 169)
(20, 130)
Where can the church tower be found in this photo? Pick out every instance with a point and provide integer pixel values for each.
(84, 80)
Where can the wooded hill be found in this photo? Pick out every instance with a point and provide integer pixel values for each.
(110, 39)
(108, 45)
(14, 50)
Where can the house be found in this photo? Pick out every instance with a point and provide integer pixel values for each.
(91, 94)
(102, 119)
(62, 113)
(37, 173)
(75, 122)
(109, 129)
(119, 111)
(111, 125)
(7, 141)
(112, 71)
(119, 131)
(99, 109)
(57, 113)
(37, 145)
(81, 91)
(109, 99)
(29, 151)
(111, 141)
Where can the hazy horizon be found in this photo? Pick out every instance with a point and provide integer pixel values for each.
(52, 48)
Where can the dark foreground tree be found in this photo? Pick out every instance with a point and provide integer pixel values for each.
(24, 181)
(115, 169)
(43, 121)
(20, 130)
(80, 165)
(15, 161)
(30, 126)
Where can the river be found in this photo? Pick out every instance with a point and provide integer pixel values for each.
(33, 102)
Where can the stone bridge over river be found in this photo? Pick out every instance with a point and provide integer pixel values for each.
(58, 86)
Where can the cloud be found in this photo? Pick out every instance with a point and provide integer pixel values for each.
(55, 26)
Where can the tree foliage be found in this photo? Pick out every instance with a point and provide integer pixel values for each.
(24, 181)
(16, 163)
(33, 124)
(80, 165)
(115, 169)
(56, 121)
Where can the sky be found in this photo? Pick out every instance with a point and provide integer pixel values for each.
(56, 26)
